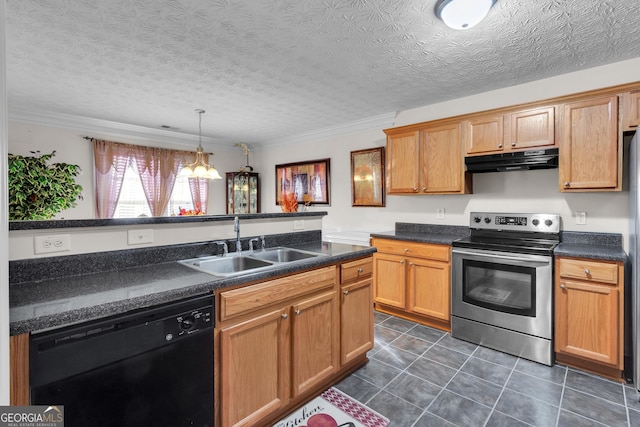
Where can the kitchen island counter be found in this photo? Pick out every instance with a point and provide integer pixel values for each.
(54, 302)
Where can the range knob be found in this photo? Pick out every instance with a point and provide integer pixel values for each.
(548, 222)
(487, 220)
(535, 222)
(476, 219)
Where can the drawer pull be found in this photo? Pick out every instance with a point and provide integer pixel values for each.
(297, 312)
(402, 262)
(499, 145)
(285, 315)
(346, 292)
(406, 250)
(587, 271)
(513, 144)
(566, 183)
(562, 286)
(360, 270)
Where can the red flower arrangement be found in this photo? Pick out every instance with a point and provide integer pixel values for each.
(191, 212)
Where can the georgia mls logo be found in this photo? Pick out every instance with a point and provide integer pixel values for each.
(32, 416)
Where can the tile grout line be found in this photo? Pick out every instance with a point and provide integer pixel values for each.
(504, 386)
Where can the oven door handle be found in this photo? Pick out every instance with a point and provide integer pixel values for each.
(534, 258)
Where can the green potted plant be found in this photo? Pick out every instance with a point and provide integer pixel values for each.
(38, 190)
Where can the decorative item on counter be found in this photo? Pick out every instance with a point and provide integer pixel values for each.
(306, 198)
(288, 203)
(39, 190)
(191, 212)
(246, 151)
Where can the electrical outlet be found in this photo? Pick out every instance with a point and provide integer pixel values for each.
(440, 213)
(298, 224)
(53, 243)
(138, 237)
(581, 218)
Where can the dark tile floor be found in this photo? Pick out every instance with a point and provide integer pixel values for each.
(419, 376)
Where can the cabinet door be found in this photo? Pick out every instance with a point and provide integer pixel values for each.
(254, 370)
(631, 110)
(589, 151)
(402, 163)
(356, 320)
(532, 128)
(441, 160)
(315, 341)
(586, 323)
(429, 288)
(389, 279)
(485, 134)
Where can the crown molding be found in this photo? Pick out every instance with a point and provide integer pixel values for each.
(114, 129)
(129, 131)
(378, 122)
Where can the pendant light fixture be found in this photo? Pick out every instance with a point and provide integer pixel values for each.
(199, 168)
(462, 14)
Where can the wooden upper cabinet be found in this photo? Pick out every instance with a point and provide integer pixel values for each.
(590, 152)
(515, 131)
(485, 134)
(531, 128)
(630, 110)
(402, 162)
(441, 162)
(427, 160)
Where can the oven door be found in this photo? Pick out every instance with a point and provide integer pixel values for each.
(512, 291)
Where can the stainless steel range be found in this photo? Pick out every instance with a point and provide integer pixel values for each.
(502, 283)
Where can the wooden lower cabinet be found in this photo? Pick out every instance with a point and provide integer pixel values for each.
(279, 345)
(412, 280)
(19, 375)
(589, 308)
(356, 310)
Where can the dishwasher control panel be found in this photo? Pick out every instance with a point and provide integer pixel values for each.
(188, 323)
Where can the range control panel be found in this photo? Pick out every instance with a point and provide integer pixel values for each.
(541, 223)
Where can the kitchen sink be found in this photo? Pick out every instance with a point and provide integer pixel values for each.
(281, 254)
(226, 266)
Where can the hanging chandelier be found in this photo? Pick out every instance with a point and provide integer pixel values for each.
(199, 168)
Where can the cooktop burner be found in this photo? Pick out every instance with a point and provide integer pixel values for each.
(515, 233)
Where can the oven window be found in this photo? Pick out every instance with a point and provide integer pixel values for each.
(500, 287)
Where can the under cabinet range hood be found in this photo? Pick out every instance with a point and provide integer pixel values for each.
(520, 160)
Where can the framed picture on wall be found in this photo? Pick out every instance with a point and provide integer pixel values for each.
(367, 177)
(309, 181)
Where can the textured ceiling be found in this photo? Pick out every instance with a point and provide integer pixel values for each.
(264, 70)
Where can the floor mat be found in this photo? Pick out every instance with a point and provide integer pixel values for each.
(333, 409)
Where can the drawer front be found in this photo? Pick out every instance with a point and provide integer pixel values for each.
(356, 269)
(596, 271)
(253, 297)
(421, 250)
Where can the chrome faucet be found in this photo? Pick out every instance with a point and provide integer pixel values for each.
(264, 246)
(225, 248)
(236, 228)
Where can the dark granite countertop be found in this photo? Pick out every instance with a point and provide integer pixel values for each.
(425, 233)
(601, 246)
(59, 301)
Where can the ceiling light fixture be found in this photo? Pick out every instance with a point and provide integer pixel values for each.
(199, 168)
(462, 14)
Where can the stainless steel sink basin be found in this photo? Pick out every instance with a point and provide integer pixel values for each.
(281, 254)
(226, 266)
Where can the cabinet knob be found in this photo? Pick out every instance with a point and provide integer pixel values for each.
(499, 145)
(566, 184)
(406, 250)
(346, 292)
(587, 271)
(285, 315)
(402, 262)
(411, 264)
(297, 312)
(424, 189)
(513, 144)
(415, 189)
(562, 286)
(360, 270)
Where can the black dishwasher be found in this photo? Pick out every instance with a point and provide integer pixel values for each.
(149, 367)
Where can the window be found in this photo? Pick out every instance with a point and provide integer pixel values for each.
(132, 202)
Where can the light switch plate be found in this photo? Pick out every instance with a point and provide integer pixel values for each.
(138, 237)
(581, 218)
(440, 213)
